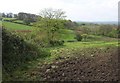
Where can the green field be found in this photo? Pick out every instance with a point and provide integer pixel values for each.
(14, 26)
(89, 44)
(67, 34)
(9, 18)
(18, 21)
(70, 47)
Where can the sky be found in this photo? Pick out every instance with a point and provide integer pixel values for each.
(76, 10)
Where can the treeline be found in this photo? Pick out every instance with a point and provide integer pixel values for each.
(98, 30)
(29, 18)
(20, 15)
(8, 15)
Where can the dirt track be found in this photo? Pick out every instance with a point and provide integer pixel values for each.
(101, 67)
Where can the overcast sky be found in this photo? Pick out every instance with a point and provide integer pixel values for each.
(76, 10)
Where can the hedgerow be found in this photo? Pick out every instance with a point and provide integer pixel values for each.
(16, 51)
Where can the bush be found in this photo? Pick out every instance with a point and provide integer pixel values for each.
(16, 51)
(78, 37)
(85, 37)
(113, 34)
(26, 21)
(71, 41)
(56, 42)
(9, 20)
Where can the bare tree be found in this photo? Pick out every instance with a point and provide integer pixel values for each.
(52, 13)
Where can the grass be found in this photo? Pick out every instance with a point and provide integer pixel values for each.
(18, 21)
(9, 18)
(67, 34)
(14, 26)
(88, 44)
(70, 47)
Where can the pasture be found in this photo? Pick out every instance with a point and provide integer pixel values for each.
(15, 26)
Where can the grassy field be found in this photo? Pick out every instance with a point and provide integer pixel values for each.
(70, 48)
(9, 18)
(14, 26)
(89, 44)
(67, 34)
(18, 21)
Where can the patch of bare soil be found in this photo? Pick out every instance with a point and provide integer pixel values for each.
(101, 67)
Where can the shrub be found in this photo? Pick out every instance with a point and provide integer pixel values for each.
(84, 36)
(9, 20)
(71, 41)
(26, 21)
(113, 34)
(56, 42)
(16, 51)
(78, 37)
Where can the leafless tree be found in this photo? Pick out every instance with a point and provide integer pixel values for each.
(52, 13)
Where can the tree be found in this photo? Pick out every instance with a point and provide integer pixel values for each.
(70, 25)
(84, 36)
(3, 15)
(9, 15)
(78, 37)
(52, 13)
(26, 17)
(105, 29)
(0, 16)
(51, 21)
(15, 15)
(83, 30)
(21, 16)
(26, 21)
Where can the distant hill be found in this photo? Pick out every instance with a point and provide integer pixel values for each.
(101, 22)
(107, 22)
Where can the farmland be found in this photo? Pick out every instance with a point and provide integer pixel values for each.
(55, 51)
(62, 59)
(65, 34)
(14, 26)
